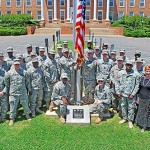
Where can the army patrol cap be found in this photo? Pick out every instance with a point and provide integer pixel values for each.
(34, 60)
(59, 46)
(97, 47)
(1, 54)
(51, 52)
(90, 51)
(19, 56)
(104, 52)
(65, 50)
(29, 45)
(113, 52)
(129, 62)
(16, 62)
(99, 78)
(9, 49)
(139, 60)
(89, 41)
(104, 44)
(42, 49)
(120, 58)
(122, 51)
(65, 42)
(137, 53)
(64, 75)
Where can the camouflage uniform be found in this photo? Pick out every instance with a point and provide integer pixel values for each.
(3, 99)
(26, 57)
(127, 84)
(17, 84)
(61, 90)
(103, 94)
(50, 78)
(36, 81)
(4, 65)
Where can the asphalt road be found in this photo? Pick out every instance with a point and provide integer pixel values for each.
(130, 44)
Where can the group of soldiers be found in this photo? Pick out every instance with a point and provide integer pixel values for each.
(109, 81)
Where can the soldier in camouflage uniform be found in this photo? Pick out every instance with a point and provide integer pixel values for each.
(3, 64)
(26, 56)
(126, 87)
(113, 77)
(65, 46)
(89, 76)
(3, 99)
(10, 57)
(29, 64)
(17, 84)
(61, 95)
(36, 80)
(59, 53)
(97, 53)
(113, 57)
(102, 99)
(42, 57)
(122, 53)
(50, 76)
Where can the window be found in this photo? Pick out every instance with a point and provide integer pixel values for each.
(120, 14)
(131, 13)
(39, 15)
(8, 12)
(141, 14)
(142, 3)
(111, 3)
(49, 2)
(0, 13)
(28, 2)
(38, 2)
(100, 15)
(0, 3)
(100, 3)
(29, 12)
(18, 12)
(149, 15)
(62, 15)
(132, 2)
(18, 3)
(62, 2)
(87, 15)
(88, 2)
(50, 15)
(121, 3)
(111, 15)
(8, 3)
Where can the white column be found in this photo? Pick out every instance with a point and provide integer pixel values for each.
(68, 6)
(42, 10)
(107, 11)
(95, 8)
(55, 9)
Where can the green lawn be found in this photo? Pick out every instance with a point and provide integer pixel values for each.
(46, 132)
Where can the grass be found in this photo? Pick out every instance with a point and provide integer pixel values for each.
(46, 132)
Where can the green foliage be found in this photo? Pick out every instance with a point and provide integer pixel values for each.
(134, 26)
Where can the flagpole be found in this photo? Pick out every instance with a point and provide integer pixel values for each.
(77, 82)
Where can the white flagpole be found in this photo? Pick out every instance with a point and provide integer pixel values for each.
(77, 92)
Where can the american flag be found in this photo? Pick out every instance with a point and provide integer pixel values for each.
(80, 29)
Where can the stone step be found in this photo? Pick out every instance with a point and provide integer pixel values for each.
(50, 31)
(103, 31)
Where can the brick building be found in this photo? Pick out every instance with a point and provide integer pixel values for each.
(62, 10)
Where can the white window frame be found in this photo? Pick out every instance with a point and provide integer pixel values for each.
(0, 3)
(142, 13)
(48, 15)
(62, 10)
(37, 1)
(48, 1)
(142, 2)
(131, 12)
(8, 11)
(8, 1)
(112, 2)
(28, 2)
(86, 15)
(132, 2)
(119, 16)
(20, 1)
(28, 13)
(98, 15)
(39, 15)
(60, 3)
(19, 11)
(121, 1)
(112, 12)
(101, 2)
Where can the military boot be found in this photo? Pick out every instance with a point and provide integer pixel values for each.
(122, 121)
(130, 125)
(39, 111)
(28, 118)
(11, 122)
(62, 120)
(33, 114)
(51, 106)
(98, 120)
